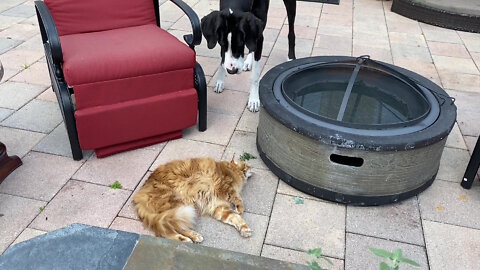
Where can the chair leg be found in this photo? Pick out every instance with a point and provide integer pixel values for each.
(66, 107)
(63, 93)
(201, 87)
(472, 167)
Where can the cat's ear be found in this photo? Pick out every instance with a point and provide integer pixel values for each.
(233, 159)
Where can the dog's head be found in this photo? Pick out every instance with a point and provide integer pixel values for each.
(233, 31)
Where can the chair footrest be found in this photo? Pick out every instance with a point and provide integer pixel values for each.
(103, 126)
(110, 150)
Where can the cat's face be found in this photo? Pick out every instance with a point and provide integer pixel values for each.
(247, 170)
(243, 167)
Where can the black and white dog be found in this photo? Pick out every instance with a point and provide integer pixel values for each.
(240, 24)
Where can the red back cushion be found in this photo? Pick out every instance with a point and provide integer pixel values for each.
(81, 16)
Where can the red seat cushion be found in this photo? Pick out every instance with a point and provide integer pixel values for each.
(82, 16)
(122, 53)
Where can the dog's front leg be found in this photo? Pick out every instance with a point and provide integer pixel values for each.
(221, 75)
(247, 65)
(254, 99)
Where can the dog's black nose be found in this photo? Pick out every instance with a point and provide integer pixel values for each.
(232, 71)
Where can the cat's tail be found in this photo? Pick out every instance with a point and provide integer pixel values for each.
(171, 223)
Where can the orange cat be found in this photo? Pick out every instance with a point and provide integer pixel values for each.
(170, 198)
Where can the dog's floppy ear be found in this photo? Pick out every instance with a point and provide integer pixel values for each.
(252, 28)
(210, 28)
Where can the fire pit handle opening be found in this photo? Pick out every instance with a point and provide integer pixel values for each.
(346, 160)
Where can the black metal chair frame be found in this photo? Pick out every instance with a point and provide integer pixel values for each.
(54, 57)
(472, 167)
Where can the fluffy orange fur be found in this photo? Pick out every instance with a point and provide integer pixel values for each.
(174, 193)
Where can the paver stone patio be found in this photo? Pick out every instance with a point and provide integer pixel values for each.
(50, 190)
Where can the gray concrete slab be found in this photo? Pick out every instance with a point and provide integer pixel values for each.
(74, 247)
(152, 252)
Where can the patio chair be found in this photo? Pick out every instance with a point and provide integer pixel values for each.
(121, 81)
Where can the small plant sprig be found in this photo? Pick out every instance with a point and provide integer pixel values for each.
(298, 200)
(25, 66)
(42, 208)
(246, 156)
(317, 254)
(116, 185)
(394, 259)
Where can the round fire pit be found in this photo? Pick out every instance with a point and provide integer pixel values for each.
(352, 130)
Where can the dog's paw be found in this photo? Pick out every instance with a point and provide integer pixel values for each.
(245, 231)
(253, 102)
(247, 65)
(218, 87)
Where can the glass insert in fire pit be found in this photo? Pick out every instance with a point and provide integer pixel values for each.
(352, 130)
(377, 99)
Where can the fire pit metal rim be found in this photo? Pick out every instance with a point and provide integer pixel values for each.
(337, 136)
(407, 127)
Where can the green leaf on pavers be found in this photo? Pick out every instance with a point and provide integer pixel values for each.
(384, 266)
(397, 254)
(313, 265)
(42, 208)
(116, 185)
(405, 260)
(246, 156)
(381, 252)
(25, 66)
(315, 252)
(298, 200)
(328, 260)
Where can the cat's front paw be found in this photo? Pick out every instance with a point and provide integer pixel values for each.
(197, 238)
(245, 231)
(239, 209)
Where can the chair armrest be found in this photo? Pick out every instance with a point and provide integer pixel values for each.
(49, 32)
(196, 38)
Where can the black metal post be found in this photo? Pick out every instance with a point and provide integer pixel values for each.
(472, 167)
